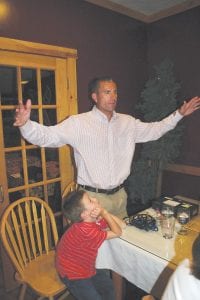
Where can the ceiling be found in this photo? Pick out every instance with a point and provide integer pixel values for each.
(147, 11)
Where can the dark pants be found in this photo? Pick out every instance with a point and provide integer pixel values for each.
(98, 287)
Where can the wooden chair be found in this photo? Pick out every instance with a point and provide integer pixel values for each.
(29, 235)
(72, 186)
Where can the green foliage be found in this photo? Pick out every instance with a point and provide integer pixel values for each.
(158, 100)
(142, 181)
(159, 96)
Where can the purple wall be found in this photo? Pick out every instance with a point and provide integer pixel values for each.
(108, 43)
(178, 38)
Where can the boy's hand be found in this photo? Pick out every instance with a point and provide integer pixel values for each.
(96, 212)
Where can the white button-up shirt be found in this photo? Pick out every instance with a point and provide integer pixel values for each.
(103, 149)
(182, 284)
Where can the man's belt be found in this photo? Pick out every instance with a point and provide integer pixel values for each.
(102, 191)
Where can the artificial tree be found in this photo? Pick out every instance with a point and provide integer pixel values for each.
(158, 100)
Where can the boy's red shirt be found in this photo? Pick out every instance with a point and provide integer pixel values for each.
(77, 250)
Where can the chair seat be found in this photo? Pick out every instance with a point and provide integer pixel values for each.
(40, 274)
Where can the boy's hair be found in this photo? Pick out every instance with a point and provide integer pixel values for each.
(73, 207)
(196, 258)
(94, 84)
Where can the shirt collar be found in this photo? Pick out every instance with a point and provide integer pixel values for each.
(102, 116)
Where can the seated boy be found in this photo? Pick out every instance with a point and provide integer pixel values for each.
(77, 250)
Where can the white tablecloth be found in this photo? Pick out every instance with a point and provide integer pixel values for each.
(144, 258)
(138, 266)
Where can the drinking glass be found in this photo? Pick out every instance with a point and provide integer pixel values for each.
(167, 226)
(183, 218)
(167, 211)
(167, 222)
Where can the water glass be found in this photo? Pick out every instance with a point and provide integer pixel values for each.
(167, 226)
(183, 217)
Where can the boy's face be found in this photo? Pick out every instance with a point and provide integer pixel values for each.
(89, 203)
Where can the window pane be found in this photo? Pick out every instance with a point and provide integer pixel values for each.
(34, 174)
(11, 134)
(52, 163)
(29, 85)
(37, 191)
(49, 117)
(34, 115)
(8, 85)
(14, 169)
(48, 87)
(16, 195)
(34, 165)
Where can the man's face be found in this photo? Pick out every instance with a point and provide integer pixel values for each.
(106, 97)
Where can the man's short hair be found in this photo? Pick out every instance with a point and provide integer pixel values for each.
(73, 206)
(94, 84)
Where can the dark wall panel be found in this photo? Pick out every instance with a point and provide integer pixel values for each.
(180, 184)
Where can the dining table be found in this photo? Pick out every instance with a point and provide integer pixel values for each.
(146, 258)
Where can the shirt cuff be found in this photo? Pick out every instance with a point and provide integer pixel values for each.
(26, 127)
(177, 115)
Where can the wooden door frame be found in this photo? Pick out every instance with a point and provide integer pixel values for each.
(36, 48)
(59, 53)
(26, 47)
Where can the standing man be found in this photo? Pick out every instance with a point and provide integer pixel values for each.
(103, 141)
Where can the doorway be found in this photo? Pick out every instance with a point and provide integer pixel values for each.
(46, 75)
